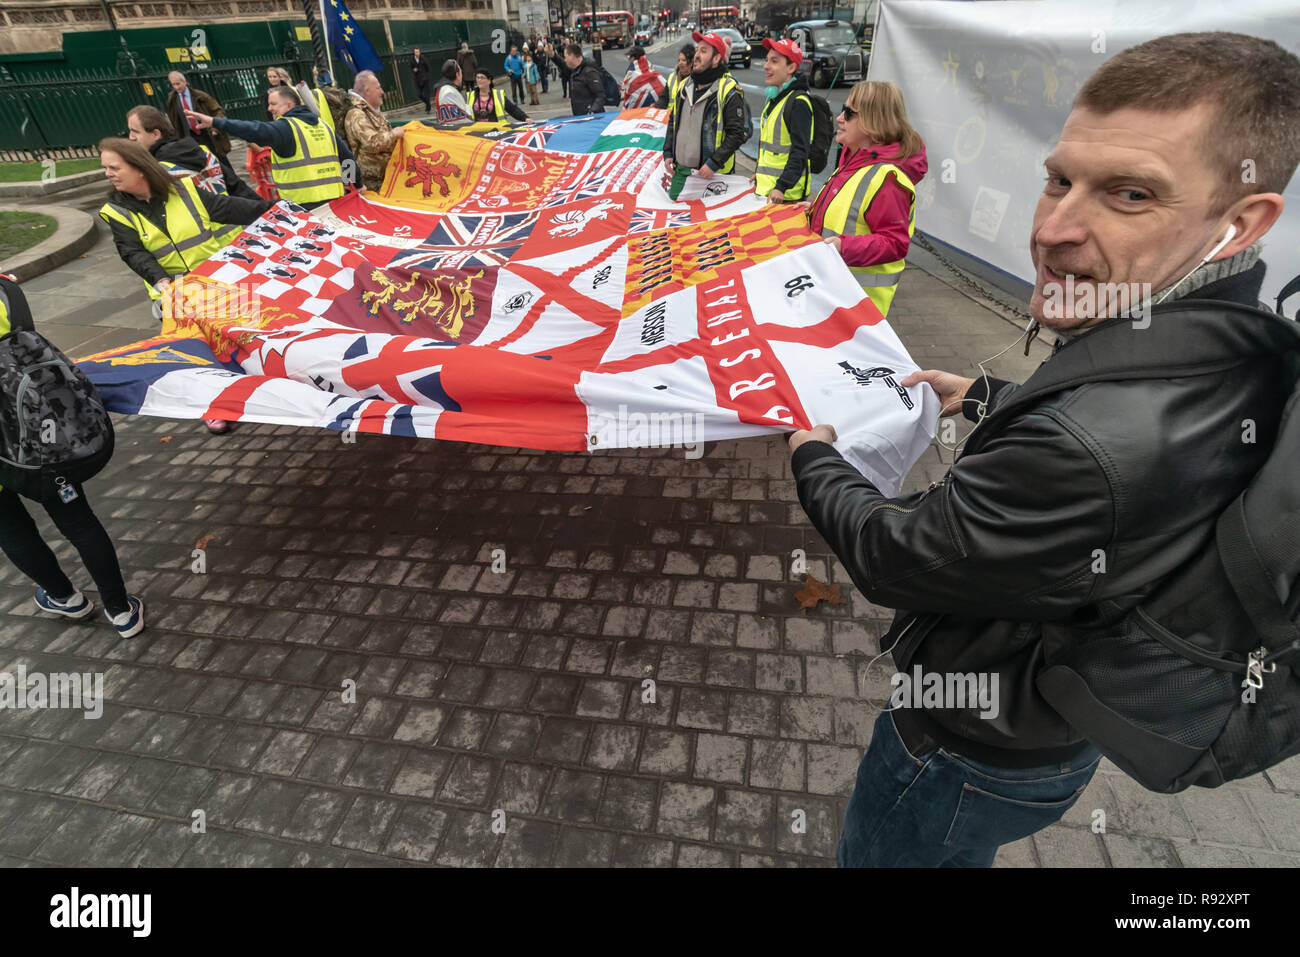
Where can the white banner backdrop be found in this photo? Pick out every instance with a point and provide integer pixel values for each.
(989, 83)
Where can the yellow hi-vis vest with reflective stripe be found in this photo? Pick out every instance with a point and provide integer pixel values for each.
(675, 81)
(499, 105)
(188, 240)
(313, 173)
(774, 152)
(4, 313)
(326, 114)
(726, 83)
(845, 216)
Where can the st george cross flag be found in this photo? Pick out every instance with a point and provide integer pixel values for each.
(348, 41)
(545, 321)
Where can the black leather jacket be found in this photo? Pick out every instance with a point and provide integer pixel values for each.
(1083, 487)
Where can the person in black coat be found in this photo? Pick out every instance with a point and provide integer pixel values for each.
(420, 67)
(151, 129)
(586, 88)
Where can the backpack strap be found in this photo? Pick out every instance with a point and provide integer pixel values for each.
(1290, 289)
(1250, 578)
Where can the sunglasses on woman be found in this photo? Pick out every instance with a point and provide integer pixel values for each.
(848, 112)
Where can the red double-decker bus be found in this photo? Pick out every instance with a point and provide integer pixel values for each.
(614, 26)
(713, 16)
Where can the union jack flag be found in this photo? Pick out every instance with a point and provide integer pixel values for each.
(536, 136)
(462, 239)
(647, 220)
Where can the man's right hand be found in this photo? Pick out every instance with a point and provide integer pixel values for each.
(669, 166)
(951, 388)
(201, 120)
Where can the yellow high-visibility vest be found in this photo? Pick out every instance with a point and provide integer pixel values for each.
(726, 83)
(187, 240)
(326, 114)
(313, 174)
(498, 105)
(845, 216)
(675, 81)
(774, 151)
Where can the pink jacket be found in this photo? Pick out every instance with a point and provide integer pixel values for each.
(884, 238)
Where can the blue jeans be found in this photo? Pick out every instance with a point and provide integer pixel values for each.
(938, 809)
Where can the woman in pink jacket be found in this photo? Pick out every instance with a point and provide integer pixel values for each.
(867, 210)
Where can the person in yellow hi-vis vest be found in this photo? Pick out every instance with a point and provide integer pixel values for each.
(685, 61)
(867, 209)
(162, 226)
(782, 173)
(310, 163)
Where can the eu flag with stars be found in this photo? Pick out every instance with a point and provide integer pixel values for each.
(347, 39)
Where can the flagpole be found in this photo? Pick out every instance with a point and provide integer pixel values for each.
(316, 26)
(328, 58)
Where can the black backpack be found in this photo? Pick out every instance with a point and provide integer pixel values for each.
(613, 96)
(54, 430)
(823, 133)
(1200, 684)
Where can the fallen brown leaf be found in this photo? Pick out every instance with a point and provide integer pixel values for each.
(203, 542)
(165, 438)
(814, 591)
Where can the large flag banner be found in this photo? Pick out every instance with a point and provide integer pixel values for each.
(515, 296)
(596, 133)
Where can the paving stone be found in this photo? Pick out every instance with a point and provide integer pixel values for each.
(777, 764)
(807, 718)
(317, 815)
(745, 818)
(574, 796)
(643, 852)
(470, 780)
(521, 788)
(613, 747)
(416, 832)
(628, 803)
(686, 810)
(720, 757)
(1139, 811)
(702, 708)
(1278, 814)
(584, 847)
(808, 825)
(602, 698)
(832, 770)
(562, 740)
(366, 824)
(1061, 846)
(1131, 850)
(527, 844)
(778, 673)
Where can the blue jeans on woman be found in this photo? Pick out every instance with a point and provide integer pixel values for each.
(939, 809)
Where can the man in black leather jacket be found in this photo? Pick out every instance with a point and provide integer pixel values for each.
(1084, 486)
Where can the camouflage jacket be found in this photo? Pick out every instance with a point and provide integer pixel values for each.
(371, 139)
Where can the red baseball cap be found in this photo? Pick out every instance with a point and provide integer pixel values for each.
(713, 40)
(787, 48)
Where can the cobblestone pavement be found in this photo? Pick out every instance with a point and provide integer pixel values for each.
(515, 695)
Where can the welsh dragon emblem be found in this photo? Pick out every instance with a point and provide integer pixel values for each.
(429, 166)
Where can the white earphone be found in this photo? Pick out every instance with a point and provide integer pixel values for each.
(1227, 238)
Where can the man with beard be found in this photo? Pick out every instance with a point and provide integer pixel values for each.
(709, 120)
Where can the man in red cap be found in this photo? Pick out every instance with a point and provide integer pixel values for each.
(709, 119)
(785, 133)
